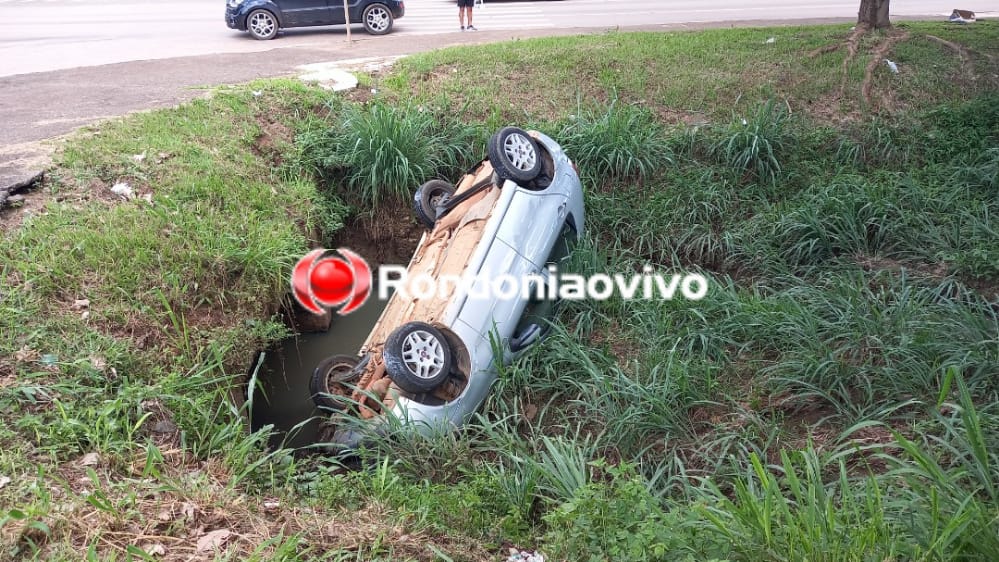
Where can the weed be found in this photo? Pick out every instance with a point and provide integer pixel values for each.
(382, 152)
(753, 147)
(622, 142)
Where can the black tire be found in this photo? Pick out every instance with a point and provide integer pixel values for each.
(262, 25)
(426, 199)
(417, 357)
(329, 380)
(377, 19)
(514, 155)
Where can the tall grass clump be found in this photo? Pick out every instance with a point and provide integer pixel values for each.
(950, 500)
(753, 147)
(984, 174)
(848, 216)
(876, 145)
(381, 152)
(615, 143)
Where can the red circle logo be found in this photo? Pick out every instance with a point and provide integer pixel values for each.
(323, 279)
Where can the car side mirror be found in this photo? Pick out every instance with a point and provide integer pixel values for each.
(526, 338)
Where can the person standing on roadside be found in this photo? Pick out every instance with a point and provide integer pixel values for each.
(465, 9)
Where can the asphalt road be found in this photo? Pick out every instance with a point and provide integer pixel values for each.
(67, 63)
(44, 35)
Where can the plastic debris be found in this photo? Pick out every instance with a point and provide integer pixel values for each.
(962, 16)
(892, 66)
(258, 93)
(49, 359)
(771, 41)
(524, 556)
(138, 158)
(123, 190)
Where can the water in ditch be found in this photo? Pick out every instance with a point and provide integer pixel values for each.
(282, 396)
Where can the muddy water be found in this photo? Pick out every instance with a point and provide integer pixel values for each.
(282, 397)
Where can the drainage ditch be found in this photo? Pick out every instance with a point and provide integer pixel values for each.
(283, 372)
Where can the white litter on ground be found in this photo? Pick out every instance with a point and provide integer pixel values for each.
(123, 190)
(524, 556)
(338, 75)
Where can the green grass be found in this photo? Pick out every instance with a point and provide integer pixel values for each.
(833, 397)
(379, 152)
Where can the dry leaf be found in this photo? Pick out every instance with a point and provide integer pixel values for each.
(26, 354)
(90, 459)
(98, 362)
(80, 304)
(530, 412)
(214, 540)
(187, 510)
(155, 549)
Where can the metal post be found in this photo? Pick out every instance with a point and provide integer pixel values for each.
(346, 17)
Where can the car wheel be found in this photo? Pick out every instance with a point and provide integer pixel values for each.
(428, 196)
(417, 357)
(262, 25)
(514, 155)
(377, 19)
(330, 379)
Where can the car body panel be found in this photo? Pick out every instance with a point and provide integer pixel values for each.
(307, 13)
(508, 230)
(297, 13)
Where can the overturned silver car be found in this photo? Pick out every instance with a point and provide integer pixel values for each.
(431, 358)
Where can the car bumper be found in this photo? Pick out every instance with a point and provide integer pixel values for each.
(235, 19)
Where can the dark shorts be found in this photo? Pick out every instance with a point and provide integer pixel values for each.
(466, 3)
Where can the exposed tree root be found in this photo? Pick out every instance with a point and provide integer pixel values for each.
(877, 56)
(962, 52)
(852, 44)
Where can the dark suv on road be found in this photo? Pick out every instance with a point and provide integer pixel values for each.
(263, 18)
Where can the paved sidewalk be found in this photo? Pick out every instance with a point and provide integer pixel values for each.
(40, 106)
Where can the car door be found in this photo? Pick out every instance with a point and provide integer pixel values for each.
(298, 13)
(542, 306)
(535, 227)
(337, 13)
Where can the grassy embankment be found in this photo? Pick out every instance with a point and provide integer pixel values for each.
(834, 396)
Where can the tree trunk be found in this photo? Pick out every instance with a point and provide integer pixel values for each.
(873, 14)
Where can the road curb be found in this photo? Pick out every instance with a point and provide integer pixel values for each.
(13, 180)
